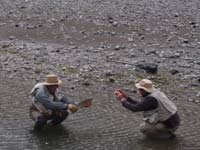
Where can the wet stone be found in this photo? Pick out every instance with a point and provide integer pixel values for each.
(174, 71)
(109, 73)
(186, 41)
(17, 25)
(148, 67)
(115, 23)
(197, 62)
(111, 80)
(12, 37)
(30, 27)
(190, 100)
(112, 33)
(130, 39)
(37, 71)
(5, 46)
(117, 47)
(86, 83)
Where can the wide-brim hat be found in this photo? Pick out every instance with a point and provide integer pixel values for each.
(52, 80)
(146, 85)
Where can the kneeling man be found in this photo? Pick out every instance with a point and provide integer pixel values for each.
(159, 113)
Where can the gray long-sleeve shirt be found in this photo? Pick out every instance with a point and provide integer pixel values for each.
(41, 94)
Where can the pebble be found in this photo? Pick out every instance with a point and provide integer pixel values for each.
(117, 47)
(198, 94)
(115, 24)
(190, 100)
(12, 37)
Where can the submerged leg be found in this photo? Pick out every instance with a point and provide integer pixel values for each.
(40, 119)
(40, 122)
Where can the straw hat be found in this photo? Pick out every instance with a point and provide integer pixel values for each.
(146, 85)
(52, 80)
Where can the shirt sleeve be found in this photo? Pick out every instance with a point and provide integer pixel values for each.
(130, 100)
(148, 103)
(66, 100)
(42, 98)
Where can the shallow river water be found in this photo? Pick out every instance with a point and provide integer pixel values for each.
(106, 125)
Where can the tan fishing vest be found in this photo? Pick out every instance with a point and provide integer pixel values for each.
(164, 111)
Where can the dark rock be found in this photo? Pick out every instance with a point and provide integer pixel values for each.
(109, 73)
(148, 67)
(111, 80)
(72, 87)
(86, 83)
(186, 41)
(37, 71)
(194, 85)
(58, 50)
(110, 19)
(5, 46)
(174, 71)
(40, 25)
(197, 62)
(175, 25)
(176, 16)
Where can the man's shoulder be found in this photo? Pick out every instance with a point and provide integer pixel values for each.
(150, 98)
(37, 87)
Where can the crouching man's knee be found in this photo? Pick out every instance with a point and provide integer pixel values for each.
(155, 130)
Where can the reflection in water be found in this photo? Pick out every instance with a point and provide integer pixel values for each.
(51, 137)
(154, 144)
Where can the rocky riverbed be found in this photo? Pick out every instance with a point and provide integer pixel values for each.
(95, 47)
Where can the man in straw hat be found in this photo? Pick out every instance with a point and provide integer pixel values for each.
(160, 115)
(46, 106)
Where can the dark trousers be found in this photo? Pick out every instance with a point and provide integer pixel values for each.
(57, 117)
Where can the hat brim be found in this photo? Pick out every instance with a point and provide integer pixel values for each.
(150, 90)
(57, 83)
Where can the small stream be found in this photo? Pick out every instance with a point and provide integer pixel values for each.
(104, 126)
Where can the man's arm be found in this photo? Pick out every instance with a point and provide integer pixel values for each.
(42, 98)
(149, 103)
(66, 100)
(130, 100)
